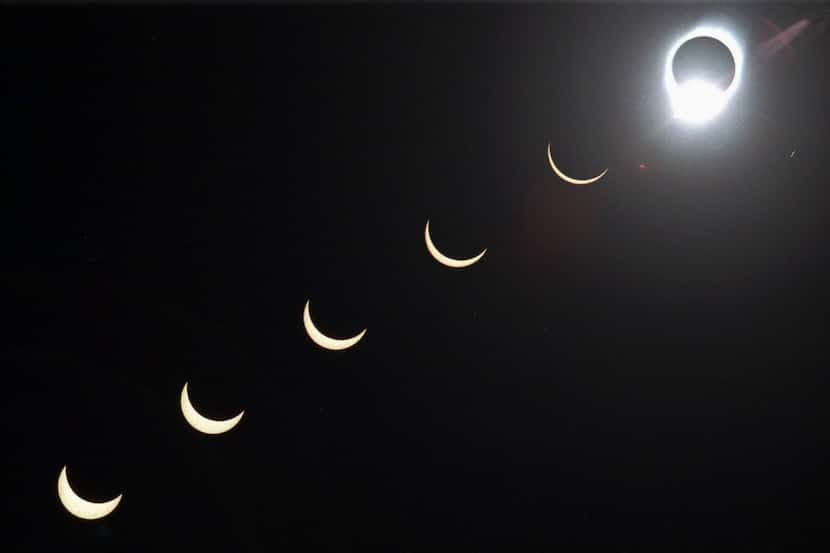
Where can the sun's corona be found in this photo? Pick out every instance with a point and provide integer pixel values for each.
(697, 101)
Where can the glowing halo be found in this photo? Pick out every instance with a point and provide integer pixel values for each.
(696, 101)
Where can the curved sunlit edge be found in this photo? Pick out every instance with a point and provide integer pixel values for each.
(446, 260)
(321, 339)
(202, 423)
(568, 179)
(674, 89)
(80, 507)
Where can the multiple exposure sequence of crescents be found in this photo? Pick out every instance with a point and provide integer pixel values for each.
(90, 510)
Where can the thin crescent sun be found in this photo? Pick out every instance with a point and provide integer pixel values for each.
(572, 180)
(321, 339)
(202, 423)
(80, 507)
(443, 259)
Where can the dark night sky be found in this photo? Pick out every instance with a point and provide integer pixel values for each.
(640, 362)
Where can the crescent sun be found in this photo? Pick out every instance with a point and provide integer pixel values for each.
(80, 507)
(443, 259)
(572, 180)
(202, 423)
(321, 339)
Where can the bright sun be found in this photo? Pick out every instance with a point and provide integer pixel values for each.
(697, 101)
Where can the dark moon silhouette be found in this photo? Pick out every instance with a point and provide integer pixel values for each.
(704, 58)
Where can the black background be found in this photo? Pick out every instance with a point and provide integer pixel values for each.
(638, 362)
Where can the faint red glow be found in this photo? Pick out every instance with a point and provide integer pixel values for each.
(782, 39)
(642, 166)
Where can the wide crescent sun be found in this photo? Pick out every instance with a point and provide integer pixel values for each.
(321, 339)
(572, 180)
(80, 507)
(202, 423)
(443, 259)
